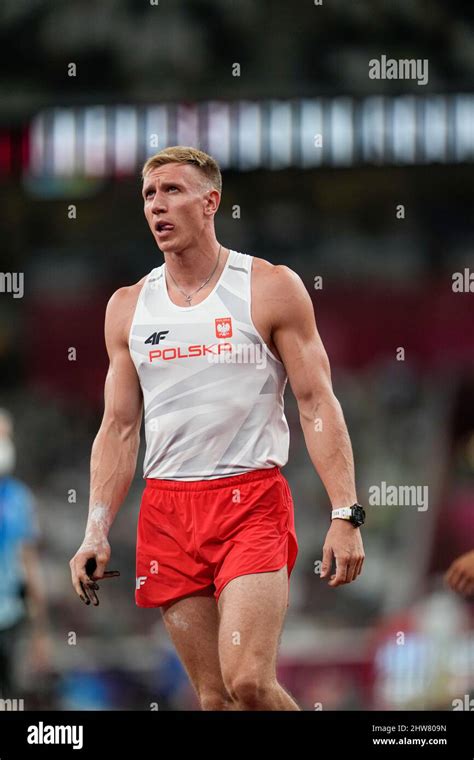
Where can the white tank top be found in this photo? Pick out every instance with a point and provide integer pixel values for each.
(212, 389)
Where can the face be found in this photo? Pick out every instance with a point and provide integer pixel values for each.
(178, 207)
(7, 451)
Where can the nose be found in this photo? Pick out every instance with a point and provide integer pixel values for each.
(158, 205)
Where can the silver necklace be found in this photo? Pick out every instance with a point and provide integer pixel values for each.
(189, 296)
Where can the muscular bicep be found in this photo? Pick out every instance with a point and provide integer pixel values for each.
(297, 339)
(123, 399)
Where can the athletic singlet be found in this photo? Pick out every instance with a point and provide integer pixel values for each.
(212, 389)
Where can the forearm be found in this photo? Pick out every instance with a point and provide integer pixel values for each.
(35, 596)
(37, 610)
(113, 464)
(329, 448)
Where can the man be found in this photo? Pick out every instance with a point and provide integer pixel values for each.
(207, 341)
(21, 587)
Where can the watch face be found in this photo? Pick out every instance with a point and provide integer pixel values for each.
(359, 515)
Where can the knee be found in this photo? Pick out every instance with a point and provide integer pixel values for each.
(215, 700)
(250, 691)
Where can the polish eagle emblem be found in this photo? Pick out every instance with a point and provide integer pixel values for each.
(224, 327)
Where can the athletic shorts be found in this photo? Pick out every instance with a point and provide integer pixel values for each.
(196, 536)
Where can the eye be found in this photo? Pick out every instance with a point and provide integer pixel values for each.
(148, 193)
(172, 187)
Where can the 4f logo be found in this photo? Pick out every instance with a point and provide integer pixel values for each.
(224, 327)
(156, 337)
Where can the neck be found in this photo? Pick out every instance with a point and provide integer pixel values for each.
(191, 266)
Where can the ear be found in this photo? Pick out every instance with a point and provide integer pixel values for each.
(212, 200)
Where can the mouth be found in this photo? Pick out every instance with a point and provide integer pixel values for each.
(162, 228)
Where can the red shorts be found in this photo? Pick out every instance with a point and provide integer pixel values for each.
(198, 535)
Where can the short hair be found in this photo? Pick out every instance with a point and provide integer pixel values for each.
(182, 154)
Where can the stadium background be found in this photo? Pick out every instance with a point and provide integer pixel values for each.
(330, 212)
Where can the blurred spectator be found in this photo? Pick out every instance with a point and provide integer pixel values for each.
(21, 591)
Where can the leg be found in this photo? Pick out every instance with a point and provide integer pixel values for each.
(192, 624)
(5, 670)
(252, 609)
(8, 650)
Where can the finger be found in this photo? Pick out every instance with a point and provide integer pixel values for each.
(91, 589)
(350, 572)
(101, 564)
(80, 592)
(75, 582)
(454, 579)
(463, 584)
(108, 574)
(341, 572)
(449, 575)
(77, 586)
(359, 566)
(455, 571)
(327, 561)
(86, 584)
(84, 595)
(449, 571)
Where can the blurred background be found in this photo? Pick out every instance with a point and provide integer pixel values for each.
(364, 187)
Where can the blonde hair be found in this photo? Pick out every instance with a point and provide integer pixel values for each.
(181, 154)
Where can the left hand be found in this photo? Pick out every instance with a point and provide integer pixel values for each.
(460, 575)
(344, 544)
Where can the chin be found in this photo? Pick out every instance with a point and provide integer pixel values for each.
(169, 246)
(164, 245)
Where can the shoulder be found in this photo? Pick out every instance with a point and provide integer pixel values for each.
(21, 512)
(19, 492)
(277, 282)
(126, 295)
(120, 308)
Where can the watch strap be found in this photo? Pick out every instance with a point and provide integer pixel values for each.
(345, 513)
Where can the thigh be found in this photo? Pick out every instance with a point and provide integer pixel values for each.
(167, 566)
(193, 626)
(252, 611)
(256, 534)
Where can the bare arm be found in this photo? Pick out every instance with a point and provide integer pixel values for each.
(35, 596)
(299, 344)
(115, 448)
(39, 653)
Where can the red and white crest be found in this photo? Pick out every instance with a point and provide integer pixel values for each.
(224, 327)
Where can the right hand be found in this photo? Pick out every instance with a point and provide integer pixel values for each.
(87, 566)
